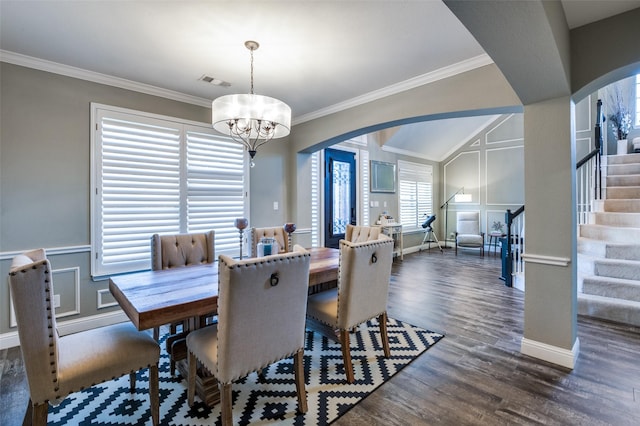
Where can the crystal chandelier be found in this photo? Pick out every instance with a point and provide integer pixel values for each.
(251, 119)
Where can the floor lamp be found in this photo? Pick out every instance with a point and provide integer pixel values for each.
(459, 197)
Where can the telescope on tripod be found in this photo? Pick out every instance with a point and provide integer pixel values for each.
(430, 235)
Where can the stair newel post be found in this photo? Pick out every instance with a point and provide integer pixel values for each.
(507, 257)
(598, 146)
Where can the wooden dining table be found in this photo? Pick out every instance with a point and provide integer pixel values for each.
(155, 298)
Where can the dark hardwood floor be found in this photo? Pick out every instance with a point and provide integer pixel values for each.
(476, 374)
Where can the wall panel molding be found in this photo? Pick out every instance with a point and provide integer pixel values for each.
(504, 173)
(75, 270)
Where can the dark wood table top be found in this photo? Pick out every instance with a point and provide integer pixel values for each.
(155, 298)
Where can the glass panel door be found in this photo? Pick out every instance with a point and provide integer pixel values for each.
(340, 194)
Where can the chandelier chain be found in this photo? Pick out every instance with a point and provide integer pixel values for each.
(251, 70)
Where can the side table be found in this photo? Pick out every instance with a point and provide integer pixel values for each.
(494, 237)
(394, 230)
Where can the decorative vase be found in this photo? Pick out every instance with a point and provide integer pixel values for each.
(622, 146)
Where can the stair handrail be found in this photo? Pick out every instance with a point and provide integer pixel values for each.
(507, 253)
(589, 173)
(589, 156)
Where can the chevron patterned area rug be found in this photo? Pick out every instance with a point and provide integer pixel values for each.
(268, 401)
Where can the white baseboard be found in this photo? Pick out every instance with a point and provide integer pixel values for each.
(563, 357)
(11, 339)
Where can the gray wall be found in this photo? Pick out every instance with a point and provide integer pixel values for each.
(490, 167)
(45, 178)
(481, 91)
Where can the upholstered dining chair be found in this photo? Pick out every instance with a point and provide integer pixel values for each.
(358, 234)
(57, 366)
(179, 251)
(261, 320)
(276, 232)
(361, 294)
(468, 233)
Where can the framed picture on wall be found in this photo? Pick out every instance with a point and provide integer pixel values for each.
(383, 177)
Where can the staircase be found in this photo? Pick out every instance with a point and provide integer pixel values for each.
(609, 247)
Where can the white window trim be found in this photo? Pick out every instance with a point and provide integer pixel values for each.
(226, 238)
(417, 172)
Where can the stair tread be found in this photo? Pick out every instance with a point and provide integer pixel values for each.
(615, 261)
(602, 279)
(611, 300)
(614, 232)
(606, 227)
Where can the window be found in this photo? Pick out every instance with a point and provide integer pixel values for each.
(416, 194)
(155, 174)
(316, 206)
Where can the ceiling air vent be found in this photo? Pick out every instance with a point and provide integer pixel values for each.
(214, 81)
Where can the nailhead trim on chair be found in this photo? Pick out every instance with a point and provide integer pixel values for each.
(280, 258)
(376, 243)
(47, 299)
(53, 360)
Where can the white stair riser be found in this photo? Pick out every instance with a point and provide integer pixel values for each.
(610, 233)
(623, 159)
(623, 180)
(628, 220)
(623, 169)
(630, 206)
(590, 247)
(623, 192)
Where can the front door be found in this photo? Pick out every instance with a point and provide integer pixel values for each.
(339, 194)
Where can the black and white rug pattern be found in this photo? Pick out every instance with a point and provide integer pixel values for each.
(268, 401)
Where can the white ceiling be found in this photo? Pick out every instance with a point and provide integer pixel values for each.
(317, 56)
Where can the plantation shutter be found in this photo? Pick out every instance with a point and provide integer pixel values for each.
(138, 189)
(215, 182)
(158, 175)
(316, 179)
(416, 193)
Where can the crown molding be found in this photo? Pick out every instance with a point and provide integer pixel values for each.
(69, 71)
(407, 153)
(412, 83)
(82, 74)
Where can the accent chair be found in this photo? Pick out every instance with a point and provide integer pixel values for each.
(179, 251)
(358, 234)
(276, 232)
(57, 366)
(361, 294)
(261, 320)
(468, 233)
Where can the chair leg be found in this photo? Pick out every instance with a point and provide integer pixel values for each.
(154, 394)
(191, 379)
(37, 414)
(346, 355)
(132, 382)
(225, 404)
(298, 367)
(156, 333)
(382, 322)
